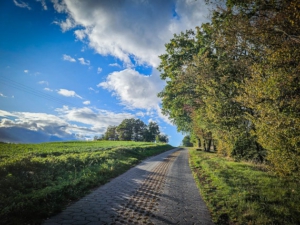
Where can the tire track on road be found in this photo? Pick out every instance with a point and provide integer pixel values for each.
(140, 207)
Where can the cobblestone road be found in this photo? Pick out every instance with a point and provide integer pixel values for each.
(160, 190)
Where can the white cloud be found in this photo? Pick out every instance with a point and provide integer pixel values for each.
(44, 5)
(84, 62)
(64, 125)
(115, 64)
(134, 89)
(137, 91)
(68, 58)
(97, 119)
(66, 25)
(48, 89)
(34, 121)
(86, 102)
(44, 82)
(68, 93)
(22, 4)
(140, 114)
(59, 6)
(80, 34)
(131, 29)
(2, 95)
(162, 116)
(92, 89)
(99, 70)
(26, 71)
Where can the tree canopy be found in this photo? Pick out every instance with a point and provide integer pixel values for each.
(235, 82)
(135, 130)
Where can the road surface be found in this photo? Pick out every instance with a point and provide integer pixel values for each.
(160, 190)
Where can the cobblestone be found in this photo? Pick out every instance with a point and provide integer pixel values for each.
(181, 202)
(160, 190)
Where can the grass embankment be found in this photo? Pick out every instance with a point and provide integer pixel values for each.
(38, 180)
(244, 193)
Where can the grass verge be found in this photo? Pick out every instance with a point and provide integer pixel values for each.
(39, 180)
(244, 193)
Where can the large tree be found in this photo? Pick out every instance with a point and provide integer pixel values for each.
(272, 91)
(133, 130)
(236, 80)
(111, 133)
(125, 129)
(151, 131)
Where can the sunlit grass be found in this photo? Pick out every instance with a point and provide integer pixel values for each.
(244, 193)
(37, 180)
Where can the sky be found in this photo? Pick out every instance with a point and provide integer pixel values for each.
(71, 68)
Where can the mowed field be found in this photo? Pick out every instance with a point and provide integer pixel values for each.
(39, 180)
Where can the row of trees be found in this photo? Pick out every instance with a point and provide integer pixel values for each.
(235, 81)
(134, 130)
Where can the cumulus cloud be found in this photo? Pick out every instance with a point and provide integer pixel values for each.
(22, 4)
(86, 102)
(134, 89)
(68, 58)
(66, 25)
(46, 123)
(80, 34)
(84, 62)
(59, 6)
(139, 28)
(98, 119)
(68, 93)
(134, 32)
(26, 71)
(39, 127)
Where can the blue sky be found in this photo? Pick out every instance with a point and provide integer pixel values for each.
(69, 69)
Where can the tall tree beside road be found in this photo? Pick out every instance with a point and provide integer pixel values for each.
(236, 81)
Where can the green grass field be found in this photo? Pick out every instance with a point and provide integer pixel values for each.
(244, 193)
(38, 180)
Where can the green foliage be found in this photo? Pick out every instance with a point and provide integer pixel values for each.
(151, 131)
(37, 180)
(126, 129)
(186, 142)
(244, 193)
(272, 91)
(132, 130)
(235, 82)
(111, 133)
(177, 96)
(161, 138)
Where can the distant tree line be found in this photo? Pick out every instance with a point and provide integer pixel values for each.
(134, 130)
(235, 82)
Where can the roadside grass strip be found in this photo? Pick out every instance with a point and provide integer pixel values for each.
(243, 192)
(39, 180)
